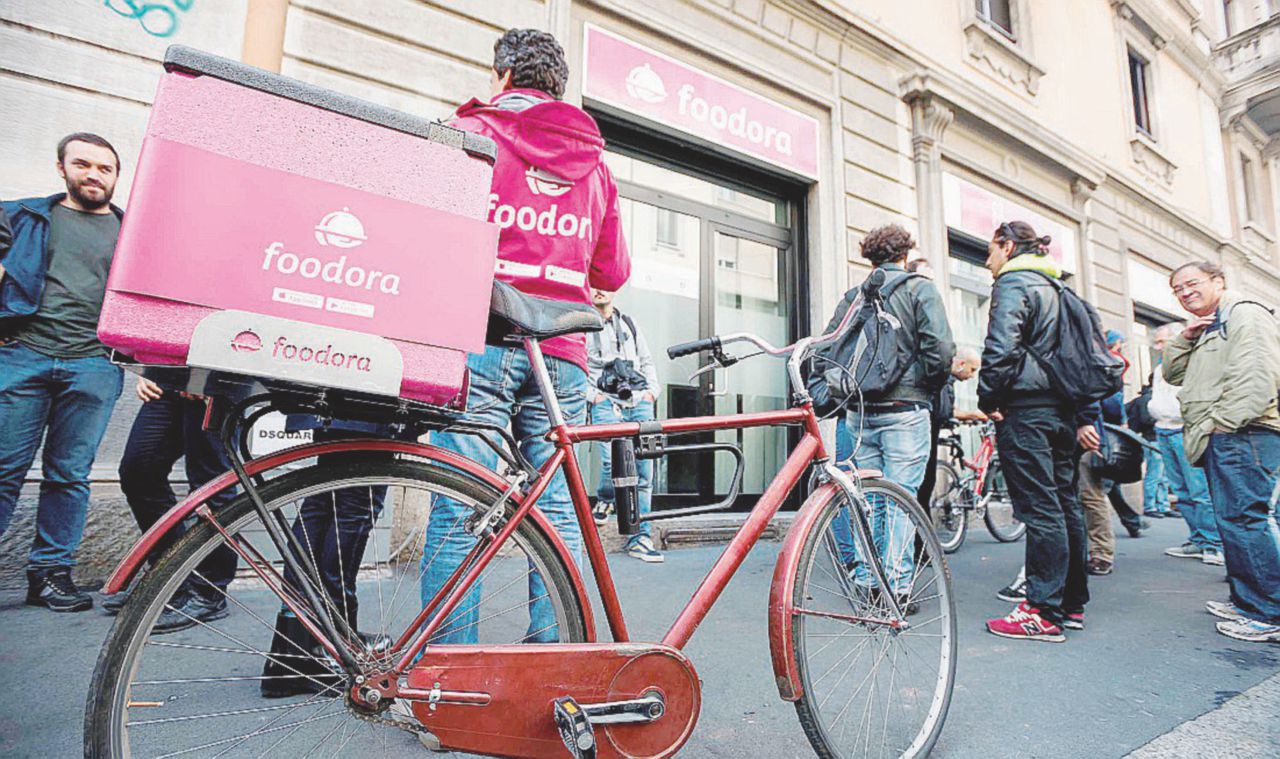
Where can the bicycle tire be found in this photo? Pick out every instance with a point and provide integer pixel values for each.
(1005, 533)
(108, 703)
(950, 523)
(809, 707)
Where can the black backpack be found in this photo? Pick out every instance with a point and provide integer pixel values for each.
(866, 359)
(1080, 367)
(1140, 419)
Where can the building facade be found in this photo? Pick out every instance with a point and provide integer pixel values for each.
(756, 141)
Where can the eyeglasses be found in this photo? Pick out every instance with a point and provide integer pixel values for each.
(1188, 286)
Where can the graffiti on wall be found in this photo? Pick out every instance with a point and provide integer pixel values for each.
(159, 19)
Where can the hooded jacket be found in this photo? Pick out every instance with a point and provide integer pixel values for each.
(1229, 375)
(1024, 313)
(555, 201)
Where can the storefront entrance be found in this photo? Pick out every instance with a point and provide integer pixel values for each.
(708, 257)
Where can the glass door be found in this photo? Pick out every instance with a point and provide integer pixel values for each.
(706, 259)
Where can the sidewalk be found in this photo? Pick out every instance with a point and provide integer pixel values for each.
(1150, 663)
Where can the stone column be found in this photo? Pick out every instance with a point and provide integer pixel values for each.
(264, 22)
(929, 121)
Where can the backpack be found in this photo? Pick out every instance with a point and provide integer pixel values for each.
(1080, 367)
(866, 360)
(1140, 419)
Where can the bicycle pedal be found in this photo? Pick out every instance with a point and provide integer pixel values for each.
(575, 729)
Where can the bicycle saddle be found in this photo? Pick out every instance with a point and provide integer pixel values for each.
(514, 315)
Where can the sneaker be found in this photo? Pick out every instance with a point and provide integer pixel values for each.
(1015, 592)
(113, 603)
(53, 588)
(1185, 551)
(1074, 621)
(1135, 528)
(1250, 630)
(188, 610)
(1099, 567)
(642, 548)
(1213, 557)
(601, 512)
(1025, 623)
(1226, 610)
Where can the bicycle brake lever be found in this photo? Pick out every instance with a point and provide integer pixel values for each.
(711, 367)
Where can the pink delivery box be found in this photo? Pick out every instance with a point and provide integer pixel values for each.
(279, 230)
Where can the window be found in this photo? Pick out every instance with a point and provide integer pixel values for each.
(1250, 191)
(668, 228)
(1138, 85)
(998, 14)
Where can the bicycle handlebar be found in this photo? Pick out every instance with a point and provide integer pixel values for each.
(694, 346)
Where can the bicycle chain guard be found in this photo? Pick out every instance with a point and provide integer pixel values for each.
(523, 683)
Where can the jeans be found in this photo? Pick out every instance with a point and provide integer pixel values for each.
(1242, 469)
(72, 398)
(606, 412)
(504, 392)
(165, 430)
(1155, 486)
(1037, 454)
(334, 527)
(898, 445)
(1188, 484)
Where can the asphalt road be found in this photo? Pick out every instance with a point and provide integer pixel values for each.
(1149, 674)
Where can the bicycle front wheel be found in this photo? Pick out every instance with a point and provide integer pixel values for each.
(946, 507)
(248, 681)
(874, 686)
(1001, 522)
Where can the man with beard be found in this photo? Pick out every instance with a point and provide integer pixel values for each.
(56, 381)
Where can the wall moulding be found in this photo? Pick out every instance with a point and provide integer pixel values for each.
(990, 51)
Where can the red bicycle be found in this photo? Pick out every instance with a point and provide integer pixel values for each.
(979, 492)
(862, 628)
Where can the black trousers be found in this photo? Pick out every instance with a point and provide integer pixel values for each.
(334, 528)
(925, 493)
(1128, 516)
(1037, 453)
(165, 430)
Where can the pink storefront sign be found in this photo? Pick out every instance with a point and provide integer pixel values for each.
(238, 236)
(672, 94)
(978, 212)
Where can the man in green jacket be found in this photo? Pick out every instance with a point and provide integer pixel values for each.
(1227, 360)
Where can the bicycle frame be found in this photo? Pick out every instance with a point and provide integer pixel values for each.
(406, 650)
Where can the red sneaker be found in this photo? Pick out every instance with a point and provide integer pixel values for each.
(1025, 623)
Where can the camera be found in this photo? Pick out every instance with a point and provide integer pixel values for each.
(621, 380)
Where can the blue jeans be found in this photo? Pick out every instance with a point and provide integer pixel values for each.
(1242, 469)
(1188, 485)
(504, 392)
(605, 412)
(898, 445)
(1155, 488)
(72, 398)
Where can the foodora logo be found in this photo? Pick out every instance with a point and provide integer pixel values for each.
(339, 229)
(286, 350)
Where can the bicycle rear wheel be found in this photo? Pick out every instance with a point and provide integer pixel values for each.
(946, 507)
(1001, 522)
(200, 691)
(871, 690)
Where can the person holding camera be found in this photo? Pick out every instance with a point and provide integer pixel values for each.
(622, 387)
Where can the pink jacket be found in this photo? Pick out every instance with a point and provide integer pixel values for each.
(555, 200)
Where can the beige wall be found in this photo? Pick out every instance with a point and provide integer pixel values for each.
(76, 65)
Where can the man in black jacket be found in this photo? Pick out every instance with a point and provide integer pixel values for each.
(1036, 432)
(891, 430)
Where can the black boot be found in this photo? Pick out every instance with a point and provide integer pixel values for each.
(53, 587)
(290, 671)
